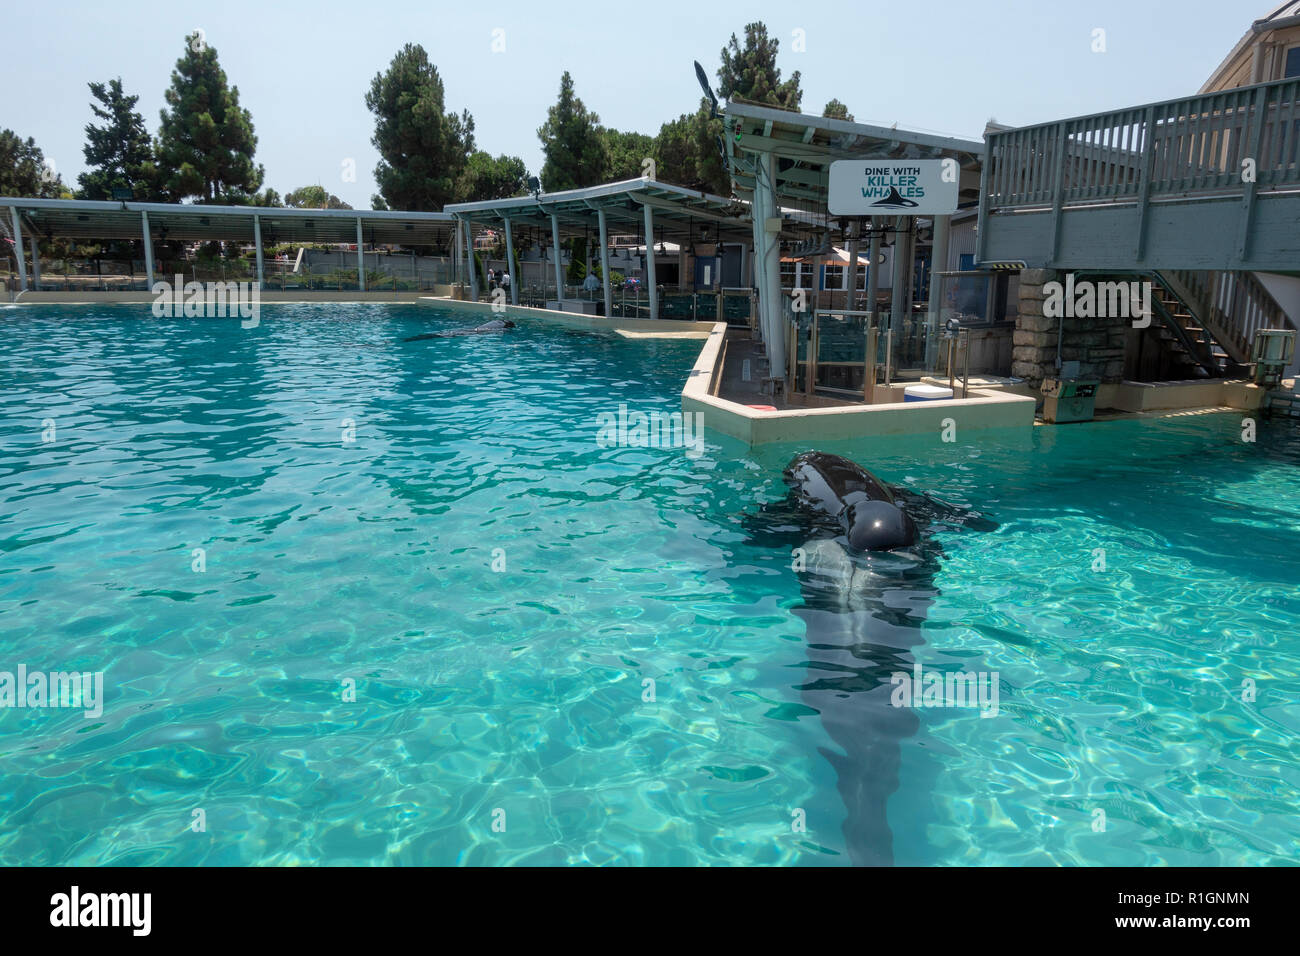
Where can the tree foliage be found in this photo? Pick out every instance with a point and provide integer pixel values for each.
(837, 110)
(119, 153)
(313, 197)
(752, 72)
(573, 143)
(24, 171)
(686, 152)
(687, 149)
(491, 177)
(627, 151)
(423, 148)
(206, 141)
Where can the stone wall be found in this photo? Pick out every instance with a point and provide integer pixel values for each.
(1096, 343)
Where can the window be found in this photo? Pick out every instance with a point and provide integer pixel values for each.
(833, 278)
(787, 275)
(1292, 63)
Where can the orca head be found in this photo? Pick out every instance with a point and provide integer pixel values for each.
(508, 324)
(878, 526)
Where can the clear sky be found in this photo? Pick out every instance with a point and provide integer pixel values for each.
(303, 68)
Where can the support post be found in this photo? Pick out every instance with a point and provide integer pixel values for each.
(257, 244)
(651, 285)
(757, 213)
(36, 263)
(873, 268)
(938, 263)
(148, 250)
(853, 268)
(1248, 193)
(469, 260)
(604, 263)
(1144, 188)
(361, 259)
(18, 249)
(902, 274)
(510, 264)
(1058, 197)
(903, 267)
(457, 247)
(559, 264)
(772, 268)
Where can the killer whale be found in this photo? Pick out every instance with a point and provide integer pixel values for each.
(865, 509)
(862, 608)
(496, 325)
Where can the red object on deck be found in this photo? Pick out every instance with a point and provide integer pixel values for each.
(763, 408)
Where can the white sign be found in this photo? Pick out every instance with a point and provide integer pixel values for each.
(907, 187)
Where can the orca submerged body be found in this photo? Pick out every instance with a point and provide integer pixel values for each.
(496, 325)
(867, 565)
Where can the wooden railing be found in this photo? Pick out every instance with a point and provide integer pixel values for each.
(1196, 145)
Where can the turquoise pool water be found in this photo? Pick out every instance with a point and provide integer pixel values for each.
(521, 690)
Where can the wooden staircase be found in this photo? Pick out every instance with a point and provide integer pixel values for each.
(1230, 306)
(1191, 347)
(1206, 322)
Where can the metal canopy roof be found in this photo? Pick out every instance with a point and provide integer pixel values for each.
(679, 213)
(99, 219)
(806, 145)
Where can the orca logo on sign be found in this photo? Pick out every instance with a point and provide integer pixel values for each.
(894, 200)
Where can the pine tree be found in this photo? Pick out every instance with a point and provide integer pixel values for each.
(423, 149)
(24, 171)
(752, 73)
(314, 197)
(573, 143)
(492, 177)
(837, 110)
(119, 153)
(206, 141)
(627, 152)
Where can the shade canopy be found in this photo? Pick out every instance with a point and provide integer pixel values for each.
(97, 219)
(680, 214)
(804, 146)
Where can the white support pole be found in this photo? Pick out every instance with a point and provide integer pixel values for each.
(457, 247)
(559, 266)
(511, 265)
(757, 212)
(148, 250)
(361, 259)
(469, 260)
(36, 262)
(853, 268)
(873, 267)
(18, 249)
(257, 244)
(938, 263)
(902, 274)
(651, 286)
(604, 263)
(772, 271)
